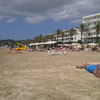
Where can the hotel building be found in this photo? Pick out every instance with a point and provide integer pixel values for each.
(91, 21)
(66, 38)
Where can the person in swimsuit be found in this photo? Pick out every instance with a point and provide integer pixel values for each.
(92, 68)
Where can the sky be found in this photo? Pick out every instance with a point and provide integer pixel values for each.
(26, 19)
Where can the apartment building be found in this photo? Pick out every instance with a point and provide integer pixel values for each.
(66, 38)
(91, 21)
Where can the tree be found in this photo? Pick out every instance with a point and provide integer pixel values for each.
(62, 35)
(97, 27)
(83, 28)
(72, 32)
(49, 37)
(46, 37)
(58, 33)
(38, 38)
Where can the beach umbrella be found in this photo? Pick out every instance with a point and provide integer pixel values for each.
(50, 42)
(74, 44)
(92, 44)
(66, 44)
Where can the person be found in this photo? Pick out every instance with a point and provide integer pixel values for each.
(62, 49)
(49, 50)
(92, 67)
(11, 47)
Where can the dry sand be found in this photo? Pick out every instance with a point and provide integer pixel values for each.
(38, 76)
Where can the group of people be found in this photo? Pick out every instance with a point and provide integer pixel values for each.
(90, 67)
(53, 51)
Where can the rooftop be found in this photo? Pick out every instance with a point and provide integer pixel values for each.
(91, 15)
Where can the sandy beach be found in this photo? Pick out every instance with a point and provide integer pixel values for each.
(38, 76)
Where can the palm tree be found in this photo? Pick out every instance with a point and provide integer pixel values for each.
(58, 33)
(83, 28)
(72, 32)
(46, 37)
(97, 31)
(39, 38)
(51, 37)
(62, 35)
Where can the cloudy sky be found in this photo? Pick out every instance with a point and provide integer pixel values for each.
(24, 19)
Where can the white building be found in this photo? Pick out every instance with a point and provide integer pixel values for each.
(91, 21)
(66, 38)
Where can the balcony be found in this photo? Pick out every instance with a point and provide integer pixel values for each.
(90, 20)
(90, 36)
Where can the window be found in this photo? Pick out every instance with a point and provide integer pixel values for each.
(89, 34)
(95, 17)
(71, 38)
(94, 23)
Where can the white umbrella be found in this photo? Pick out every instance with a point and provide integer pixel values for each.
(74, 44)
(43, 43)
(59, 44)
(66, 44)
(50, 42)
(92, 44)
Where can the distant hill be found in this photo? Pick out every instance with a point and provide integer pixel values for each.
(6, 42)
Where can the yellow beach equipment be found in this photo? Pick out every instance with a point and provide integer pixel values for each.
(23, 47)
